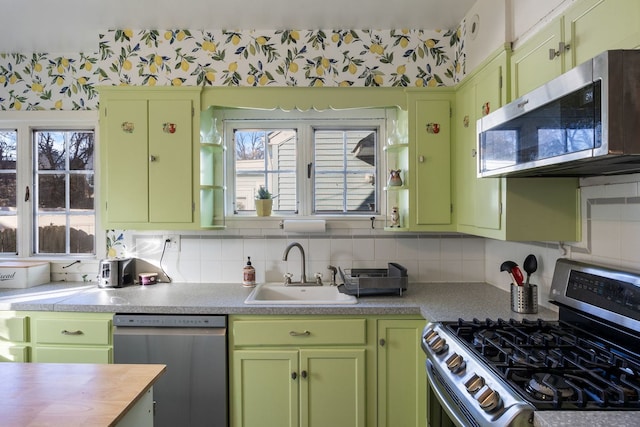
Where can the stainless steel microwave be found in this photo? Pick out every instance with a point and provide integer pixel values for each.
(582, 123)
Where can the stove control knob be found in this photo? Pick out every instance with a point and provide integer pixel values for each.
(439, 345)
(456, 363)
(490, 400)
(475, 383)
(430, 334)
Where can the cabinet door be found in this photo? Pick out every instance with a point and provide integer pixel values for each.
(432, 162)
(11, 352)
(530, 63)
(265, 388)
(127, 176)
(170, 161)
(401, 374)
(593, 26)
(332, 389)
(465, 149)
(486, 197)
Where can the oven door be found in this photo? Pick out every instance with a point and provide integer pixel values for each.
(442, 410)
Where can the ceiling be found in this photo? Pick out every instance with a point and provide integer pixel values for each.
(72, 26)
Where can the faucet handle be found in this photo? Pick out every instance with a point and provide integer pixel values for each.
(334, 271)
(318, 277)
(287, 278)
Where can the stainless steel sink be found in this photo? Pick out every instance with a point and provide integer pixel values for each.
(278, 293)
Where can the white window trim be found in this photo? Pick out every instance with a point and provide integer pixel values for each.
(26, 122)
(305, 122)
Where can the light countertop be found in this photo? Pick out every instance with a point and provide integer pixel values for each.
(433, 301)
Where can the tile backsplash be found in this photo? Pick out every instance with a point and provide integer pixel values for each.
(220, 259)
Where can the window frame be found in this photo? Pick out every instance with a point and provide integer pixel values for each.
(26, 122)
(305, 123)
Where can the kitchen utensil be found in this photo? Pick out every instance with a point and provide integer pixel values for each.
(517, 274)
(513, 270)
(530, 266)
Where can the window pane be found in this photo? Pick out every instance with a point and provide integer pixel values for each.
(8, 191)
(51, 192)
(345, 170)
(81, 151)
(82, 234)
(51, 234)
(265, 157)
(51, 150)
(81, 192)
(8, 153)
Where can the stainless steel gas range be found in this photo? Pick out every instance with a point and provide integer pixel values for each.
(499, 372)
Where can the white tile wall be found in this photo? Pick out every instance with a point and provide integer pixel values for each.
(220, 257)
(610, 235)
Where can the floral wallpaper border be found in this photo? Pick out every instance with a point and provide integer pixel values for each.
(362, 58)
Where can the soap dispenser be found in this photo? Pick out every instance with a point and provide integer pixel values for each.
(248, 274)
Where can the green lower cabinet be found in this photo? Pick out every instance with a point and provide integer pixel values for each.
(309, 388)
(313, 371)
(264, 391)
(402, 389)
(14, 337)
(65, 337)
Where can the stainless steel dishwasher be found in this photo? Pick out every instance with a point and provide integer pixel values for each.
(193, 390)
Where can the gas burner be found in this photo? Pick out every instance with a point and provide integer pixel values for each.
(545, 386)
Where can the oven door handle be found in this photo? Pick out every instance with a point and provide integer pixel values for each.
(444, 402)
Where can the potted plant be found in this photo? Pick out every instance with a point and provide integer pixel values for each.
(264, 202)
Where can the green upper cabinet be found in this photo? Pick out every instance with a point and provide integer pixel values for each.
(430, 159)
(522, 209)
(147, 142)
(477, 200)
(586, 29)
(532, 64)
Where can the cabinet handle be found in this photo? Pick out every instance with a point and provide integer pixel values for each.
(474, 152)
(294, 375)
(65, 332)
(299, 334)
(303, 374)
(152, 158)
(382, 342)
(562, 47)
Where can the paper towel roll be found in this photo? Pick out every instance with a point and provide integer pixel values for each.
(305, 225)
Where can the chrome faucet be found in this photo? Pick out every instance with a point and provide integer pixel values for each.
(303, 278)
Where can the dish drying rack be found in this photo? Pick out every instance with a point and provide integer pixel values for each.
(393, 280)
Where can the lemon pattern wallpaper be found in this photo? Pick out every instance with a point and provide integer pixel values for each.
(359, 58)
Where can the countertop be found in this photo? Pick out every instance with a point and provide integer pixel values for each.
(55, 394)
(433, 301)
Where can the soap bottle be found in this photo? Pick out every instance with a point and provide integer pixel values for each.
(248, 274)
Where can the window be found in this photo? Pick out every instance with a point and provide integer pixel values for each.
(47, 184)
(313, 163)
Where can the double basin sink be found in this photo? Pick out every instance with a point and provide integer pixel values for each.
(278, 293)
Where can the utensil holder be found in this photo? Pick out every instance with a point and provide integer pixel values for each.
(524, 299)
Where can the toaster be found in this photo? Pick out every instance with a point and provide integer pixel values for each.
(115, 273)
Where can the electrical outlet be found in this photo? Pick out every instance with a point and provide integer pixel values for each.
(172, 241)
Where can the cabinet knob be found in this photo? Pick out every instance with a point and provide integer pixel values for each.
(303, 374)
(152, 158)
(421, 159)
(382, 342)
(474, 152)
(294, 375)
